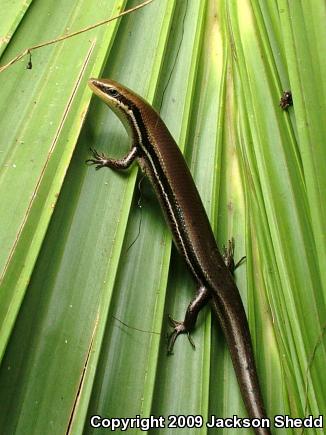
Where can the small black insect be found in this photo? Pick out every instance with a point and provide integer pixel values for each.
(29, 65)
(286, 100)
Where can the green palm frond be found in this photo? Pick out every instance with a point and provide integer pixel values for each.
(83, 309)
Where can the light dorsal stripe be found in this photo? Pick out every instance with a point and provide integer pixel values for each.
(164, 193)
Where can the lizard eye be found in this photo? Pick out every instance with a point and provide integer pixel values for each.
(112, 92)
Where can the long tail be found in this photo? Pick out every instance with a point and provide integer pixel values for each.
(233, 321)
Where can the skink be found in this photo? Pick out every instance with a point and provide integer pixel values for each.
(159, 157)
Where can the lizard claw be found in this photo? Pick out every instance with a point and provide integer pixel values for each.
(178, 328)
(228, 256)
(99, 159)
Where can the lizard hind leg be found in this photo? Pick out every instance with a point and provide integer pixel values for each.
(202, 297)
(184, 327)
(228, 257)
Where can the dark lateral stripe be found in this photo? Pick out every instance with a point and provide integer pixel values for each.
(178, 227)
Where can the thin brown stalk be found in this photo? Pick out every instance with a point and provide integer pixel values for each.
(70, 35)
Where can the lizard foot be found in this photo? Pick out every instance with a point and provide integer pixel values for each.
(178, 328)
